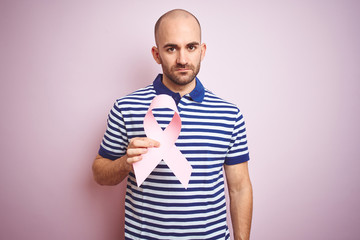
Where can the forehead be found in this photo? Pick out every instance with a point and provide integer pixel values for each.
(179, 30)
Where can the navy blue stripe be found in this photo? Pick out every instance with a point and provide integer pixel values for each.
(205, 195)
(206, 131)
(207, 117)
(209, 110)
(127, 109)
(207, 124)
(138, 129)
(184, 205)
(202, 144)
(133, 115)
(208, 165)
(200, 137)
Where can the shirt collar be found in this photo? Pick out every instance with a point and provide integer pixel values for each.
(197, 94)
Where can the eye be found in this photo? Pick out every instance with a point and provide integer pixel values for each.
(171, 49)
(191, 47)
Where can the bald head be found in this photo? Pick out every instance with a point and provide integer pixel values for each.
(176, 14)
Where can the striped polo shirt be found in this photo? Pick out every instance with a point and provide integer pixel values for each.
(212, 134)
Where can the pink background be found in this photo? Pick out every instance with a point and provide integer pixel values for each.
(293, 68)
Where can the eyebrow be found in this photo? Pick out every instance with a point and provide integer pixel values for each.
(173, 45)
(193, 43)
(170, 45)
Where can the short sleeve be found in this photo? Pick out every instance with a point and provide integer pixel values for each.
(115, 140)
(238, 150)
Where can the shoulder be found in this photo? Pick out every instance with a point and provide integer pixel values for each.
(217, 102)
(140, 96)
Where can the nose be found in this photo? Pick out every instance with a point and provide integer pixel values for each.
(181, 58)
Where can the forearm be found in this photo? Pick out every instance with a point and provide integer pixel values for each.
(241, 205)
(108, 172)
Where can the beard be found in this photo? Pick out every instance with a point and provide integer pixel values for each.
(181, 78)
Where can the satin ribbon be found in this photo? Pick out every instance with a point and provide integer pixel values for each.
(167, 150)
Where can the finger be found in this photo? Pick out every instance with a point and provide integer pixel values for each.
(132, 160)
(135, 151)
(143, 143)
(154, 143)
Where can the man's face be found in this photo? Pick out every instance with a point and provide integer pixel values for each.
(180, 50)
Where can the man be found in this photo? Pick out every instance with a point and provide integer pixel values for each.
(212, 138)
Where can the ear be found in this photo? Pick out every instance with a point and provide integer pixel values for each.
(155, 53)
(203, 50)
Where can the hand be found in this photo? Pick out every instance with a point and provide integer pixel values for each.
(137, 147)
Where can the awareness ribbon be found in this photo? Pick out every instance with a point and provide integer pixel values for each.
(167, 151)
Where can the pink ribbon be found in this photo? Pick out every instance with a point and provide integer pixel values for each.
(167, 150)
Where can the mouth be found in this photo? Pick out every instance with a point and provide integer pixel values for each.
(182, 69)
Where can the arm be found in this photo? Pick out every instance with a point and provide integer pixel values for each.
(241, 199)
(109, 172)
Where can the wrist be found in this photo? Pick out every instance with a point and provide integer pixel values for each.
(124, 166)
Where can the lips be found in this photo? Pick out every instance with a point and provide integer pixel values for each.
(183, 68)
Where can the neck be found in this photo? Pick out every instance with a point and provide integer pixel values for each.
(181, 89)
